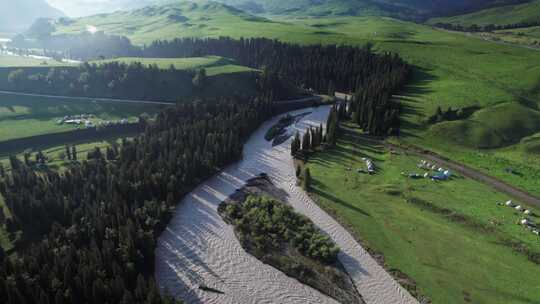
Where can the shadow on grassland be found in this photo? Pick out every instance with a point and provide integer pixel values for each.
(411, 110)
(317, 189)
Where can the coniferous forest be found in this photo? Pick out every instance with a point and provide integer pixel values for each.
(373, 78)
(100, 221)
(109, 80)
(89, 233)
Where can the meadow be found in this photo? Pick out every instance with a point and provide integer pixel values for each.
(451, 238)
(214, 65)
(519, 13)
(7, 61)
(526, 37)
(452, 70)
(26, 116)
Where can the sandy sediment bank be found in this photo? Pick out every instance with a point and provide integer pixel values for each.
(199, 248)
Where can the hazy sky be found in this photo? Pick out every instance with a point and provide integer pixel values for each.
(75, 8)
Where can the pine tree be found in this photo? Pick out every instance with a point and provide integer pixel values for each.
(74, 152)
(68, 152)
(306, 141)
(306, 179)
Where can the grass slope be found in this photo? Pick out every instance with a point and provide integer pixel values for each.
(455, 257)
(25, 116)
(214, 65)
(510, 14)
(20, 61)
(453, 70)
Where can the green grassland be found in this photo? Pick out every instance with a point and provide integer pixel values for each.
(452, 69)
(214, 65)
(20, 61)
(26, 116)
(503, 15)
(460, 255)
(528, 36)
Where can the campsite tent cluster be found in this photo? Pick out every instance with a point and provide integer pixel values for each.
(525, 221)
(370, 167)
(86, 121)
(433, 172)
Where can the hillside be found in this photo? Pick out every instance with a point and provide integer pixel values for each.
(18, 15)
(164, 21)
(504, 15)
(406, 9)
(453, 70)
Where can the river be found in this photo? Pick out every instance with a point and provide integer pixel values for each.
(198, 247)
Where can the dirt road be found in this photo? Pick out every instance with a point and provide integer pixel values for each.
(467, 171)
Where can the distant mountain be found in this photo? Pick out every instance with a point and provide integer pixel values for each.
(408, 9)
(166, 21)
(80, 8)
(504, 15)
(17, 15)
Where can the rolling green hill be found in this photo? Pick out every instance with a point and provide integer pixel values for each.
(452, 70)
(504, 15)
(214, 65)
(405, 9)
(164, 21)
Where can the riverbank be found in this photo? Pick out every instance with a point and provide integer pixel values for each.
(452, 239)
(198, 247)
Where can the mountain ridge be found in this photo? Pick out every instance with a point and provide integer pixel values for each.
(528, 12)
(403, 9)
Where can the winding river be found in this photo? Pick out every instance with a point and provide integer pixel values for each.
(198, 248)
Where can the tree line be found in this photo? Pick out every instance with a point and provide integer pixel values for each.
(374, 78)
(108, 80)
(474, 28)
(92, 230)
(82, 46)
(314, 137)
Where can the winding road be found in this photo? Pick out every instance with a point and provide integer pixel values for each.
(199, 248)
(88, 99)
(471, 173)
(465, 170)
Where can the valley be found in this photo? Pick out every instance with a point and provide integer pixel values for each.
(408, 170)
(452, 70)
